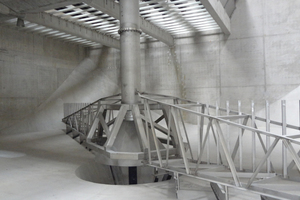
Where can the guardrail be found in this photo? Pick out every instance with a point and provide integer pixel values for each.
(223, 146)
(217, 127)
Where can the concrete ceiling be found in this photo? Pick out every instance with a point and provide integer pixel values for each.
(96, 22)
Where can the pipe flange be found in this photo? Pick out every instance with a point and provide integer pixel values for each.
(130, 30)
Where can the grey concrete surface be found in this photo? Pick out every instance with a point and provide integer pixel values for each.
(42, 165)
(31, 69)
(95, 77)
(48, 164)
(258, 61)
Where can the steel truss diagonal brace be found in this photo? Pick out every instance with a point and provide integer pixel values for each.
(262, 162)
(116, 126)
(227, 155)
(94, 124)
(180, 139)
(139, 124)
(293, 153)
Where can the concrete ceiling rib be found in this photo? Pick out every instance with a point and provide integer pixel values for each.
(159, 20)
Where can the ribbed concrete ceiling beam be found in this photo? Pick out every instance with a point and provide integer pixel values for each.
(106, 6)
(65, 26)
(21, 6)
(112, 8)
(218, 13)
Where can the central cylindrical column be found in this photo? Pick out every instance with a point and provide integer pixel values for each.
(130, 50)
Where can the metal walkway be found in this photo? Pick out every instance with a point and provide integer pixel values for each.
(227, 148)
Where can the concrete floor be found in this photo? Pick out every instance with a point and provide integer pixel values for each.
(42, 165)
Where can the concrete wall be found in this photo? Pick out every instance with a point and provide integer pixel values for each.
(258, 61)
(31, 69)
(95, 77)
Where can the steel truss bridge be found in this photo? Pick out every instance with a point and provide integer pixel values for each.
(227, 148)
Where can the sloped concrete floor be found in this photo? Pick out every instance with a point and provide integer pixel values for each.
(42, 165)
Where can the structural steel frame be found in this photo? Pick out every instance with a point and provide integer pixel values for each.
(177, 155)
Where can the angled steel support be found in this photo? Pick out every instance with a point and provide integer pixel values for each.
(72, 28)
(227, 155)
(262, 162)
(180, 139)
(116, 127)
(111, 8)
(218, 13)
(149, 116)
(140, 126)
(104, 125)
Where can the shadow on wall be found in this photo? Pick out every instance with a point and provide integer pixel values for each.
(92, 79)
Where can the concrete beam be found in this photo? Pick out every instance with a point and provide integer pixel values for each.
(21, 6)
(218, 13)
(107, 6)
(65, 26)
(112, 8)
(230, 7)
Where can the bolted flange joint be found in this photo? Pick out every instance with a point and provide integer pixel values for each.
(129, 30)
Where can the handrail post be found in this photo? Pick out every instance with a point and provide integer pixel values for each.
(284, 149)
(253, 136)
(268, 137)
(240, 137)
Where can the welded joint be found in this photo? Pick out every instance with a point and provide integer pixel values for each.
(120, 31)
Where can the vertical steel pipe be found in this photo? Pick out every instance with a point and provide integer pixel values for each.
(240, 137)
(253, 136)
(284, 149)
(268, 139)
(228, 126)
(218, 140)
(130, 50)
